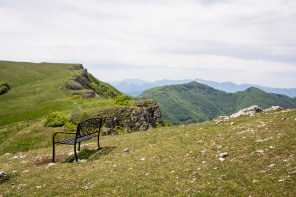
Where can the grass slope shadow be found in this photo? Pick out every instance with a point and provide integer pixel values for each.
(90, 154)
(86, 153)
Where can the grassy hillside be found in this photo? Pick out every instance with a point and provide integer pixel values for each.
(37, 88)
(172, 161)
(194, 102)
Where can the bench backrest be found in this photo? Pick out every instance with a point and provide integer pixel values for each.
(89, 126)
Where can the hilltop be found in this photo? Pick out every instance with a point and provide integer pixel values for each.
(244, 156)
(195, 102)
(37, 88)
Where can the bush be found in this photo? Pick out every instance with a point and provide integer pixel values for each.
(4, 87)
(70, 126)
(121, 100)
(56, 119)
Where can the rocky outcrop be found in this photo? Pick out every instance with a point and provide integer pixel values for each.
(78, 83)
(82, 78)
(247, 111)
(140, 116)
(273, 108)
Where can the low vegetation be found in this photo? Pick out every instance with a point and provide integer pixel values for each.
(56, 119)
(245, 156)
(121, 100)
(4, 87)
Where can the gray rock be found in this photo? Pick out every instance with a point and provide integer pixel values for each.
(273, 108)
(4, 175)
(247, 111)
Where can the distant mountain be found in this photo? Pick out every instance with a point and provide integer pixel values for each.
(135, 87)
(194, 102)
(232, 87)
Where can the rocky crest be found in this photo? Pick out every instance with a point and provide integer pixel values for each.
(78, 83)
(141, 116)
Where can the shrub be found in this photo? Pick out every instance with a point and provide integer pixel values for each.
(74, 97)
(56, 119)
(121, 100)
(4, 87)
(70, 126)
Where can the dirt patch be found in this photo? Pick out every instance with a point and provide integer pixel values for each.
(48, 159)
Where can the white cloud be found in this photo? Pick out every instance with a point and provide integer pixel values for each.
(245, 41)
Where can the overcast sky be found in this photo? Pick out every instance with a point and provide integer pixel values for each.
(242, 41)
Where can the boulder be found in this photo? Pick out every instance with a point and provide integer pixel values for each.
(247, 111)
(141, 116)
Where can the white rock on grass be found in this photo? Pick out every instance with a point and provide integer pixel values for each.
(221, 159)
(223, 155)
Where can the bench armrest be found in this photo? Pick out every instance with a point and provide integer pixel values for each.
(60, 132)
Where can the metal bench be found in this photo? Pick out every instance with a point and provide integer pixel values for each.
(85, 130)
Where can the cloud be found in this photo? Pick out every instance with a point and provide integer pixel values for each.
(225, 40)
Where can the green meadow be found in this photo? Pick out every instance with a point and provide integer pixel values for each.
(259, 160)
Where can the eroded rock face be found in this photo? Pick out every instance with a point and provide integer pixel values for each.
(83, 78)
(141, 116)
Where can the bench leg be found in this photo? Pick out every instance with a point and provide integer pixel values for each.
(53, 151)
(99, 141)
(75, 152)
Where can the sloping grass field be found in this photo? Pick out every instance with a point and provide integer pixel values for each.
(35, 90)
(246, 156)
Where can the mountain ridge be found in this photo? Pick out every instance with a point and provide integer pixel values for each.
(135, 87)
(194, 102)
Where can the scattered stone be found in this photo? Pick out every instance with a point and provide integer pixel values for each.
(271, 165)
(271, 147)
(216, 168)
(203, 162)
(255, 181)
(263, 171)
(260, 151)
(221, 159)
(281, 180)
(219, 122)
(126, 150)
(38, 187)
(143, 159)
(232, 123)
(26, 171)
(273, 108)
(115, 166)
(284, 118)
(6, 154)
(223, 155)
(4, 175)
(172, 171)
(147, 174)
(204, 151)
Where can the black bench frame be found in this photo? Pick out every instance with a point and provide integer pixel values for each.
(85, 131)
